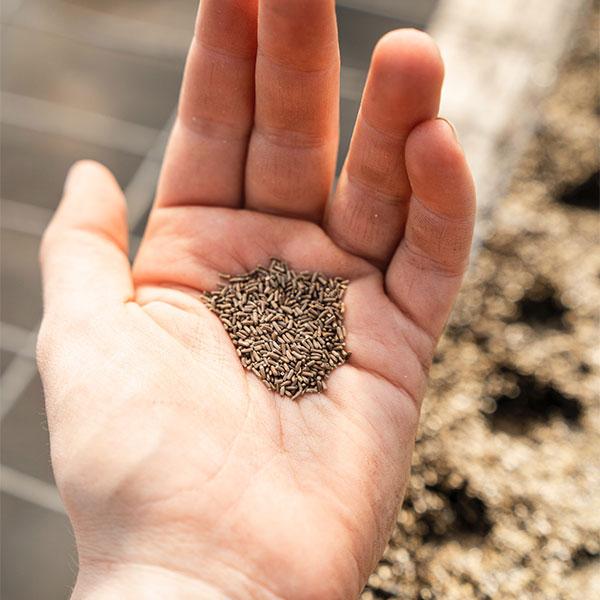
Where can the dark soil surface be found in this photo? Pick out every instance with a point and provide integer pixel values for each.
(504, 496)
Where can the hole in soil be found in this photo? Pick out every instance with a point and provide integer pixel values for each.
(379, 593)
(583, 557)
(530, 401)
(454, 332)
(463, 517)
(541, 306)
(481, 339)
(584, 195)
(584, 368)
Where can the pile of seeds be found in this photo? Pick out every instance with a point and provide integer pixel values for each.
(287, 327)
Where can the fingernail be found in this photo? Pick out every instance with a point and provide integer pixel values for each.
(452, 128)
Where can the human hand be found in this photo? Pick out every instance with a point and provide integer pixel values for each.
(182, 474)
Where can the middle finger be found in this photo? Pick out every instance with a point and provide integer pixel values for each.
(292, 152)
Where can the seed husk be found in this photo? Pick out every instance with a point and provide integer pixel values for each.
(287, 327)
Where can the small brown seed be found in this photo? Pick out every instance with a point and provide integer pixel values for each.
(287, 327)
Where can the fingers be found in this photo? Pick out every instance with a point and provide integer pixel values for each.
(206, 155)
(85, 268)
(292, 153)
(368, 212)
(426, 272)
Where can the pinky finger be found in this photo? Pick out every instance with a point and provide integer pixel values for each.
(426, 271)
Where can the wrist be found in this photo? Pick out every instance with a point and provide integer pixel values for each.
(147, 582)
(112, 581)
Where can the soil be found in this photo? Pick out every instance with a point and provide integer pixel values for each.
(504, 496)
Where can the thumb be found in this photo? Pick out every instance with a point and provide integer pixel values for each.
(83, 252)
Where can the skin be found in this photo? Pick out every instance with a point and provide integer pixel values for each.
(182, 475)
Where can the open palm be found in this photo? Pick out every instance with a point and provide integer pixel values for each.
(173, 461)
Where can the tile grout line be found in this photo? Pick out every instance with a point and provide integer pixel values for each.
(19, 373)
(140, 187)
(18, 338)
(33, 219)
(28, 488)
(43, 116)
(23, 217)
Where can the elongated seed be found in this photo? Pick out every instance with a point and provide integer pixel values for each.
(286, 326)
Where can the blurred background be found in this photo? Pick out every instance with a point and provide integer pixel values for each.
(487, 514)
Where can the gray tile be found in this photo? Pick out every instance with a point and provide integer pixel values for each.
(34, 164)
(348, 112)
(359, 32)
(24, 443)
(179, 14)
(140, 227)
(53, 68)
(6, 358)
(20, 285)
(38, 555)
(8, 8)
(416, 13)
